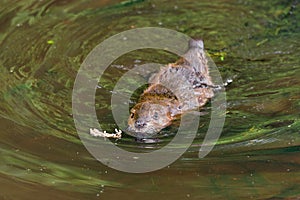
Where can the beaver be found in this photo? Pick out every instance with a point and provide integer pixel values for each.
(176, 89)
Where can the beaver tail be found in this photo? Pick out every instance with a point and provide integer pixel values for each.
(195, 57)
(196, 44)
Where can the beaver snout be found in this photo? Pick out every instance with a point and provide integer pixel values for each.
(140, 123)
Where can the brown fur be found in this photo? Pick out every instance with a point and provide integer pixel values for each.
(177, 88)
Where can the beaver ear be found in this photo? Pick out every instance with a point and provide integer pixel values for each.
(132, 110)
(174, 111)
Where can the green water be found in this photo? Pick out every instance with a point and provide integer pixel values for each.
(255, 43)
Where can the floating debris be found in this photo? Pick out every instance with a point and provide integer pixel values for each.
(97, 133)
(50, 42)
(262, 42)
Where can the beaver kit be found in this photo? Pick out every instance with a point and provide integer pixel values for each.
(176, 89)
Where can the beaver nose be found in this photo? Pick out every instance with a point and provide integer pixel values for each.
(139, 123)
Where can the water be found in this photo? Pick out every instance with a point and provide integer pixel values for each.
(42, 45)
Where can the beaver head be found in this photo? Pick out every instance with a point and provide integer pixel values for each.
(148, 118)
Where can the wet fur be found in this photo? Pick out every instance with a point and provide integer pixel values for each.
(158, 106)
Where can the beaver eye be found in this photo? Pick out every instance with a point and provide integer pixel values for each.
(131, 115)
(155, 116)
